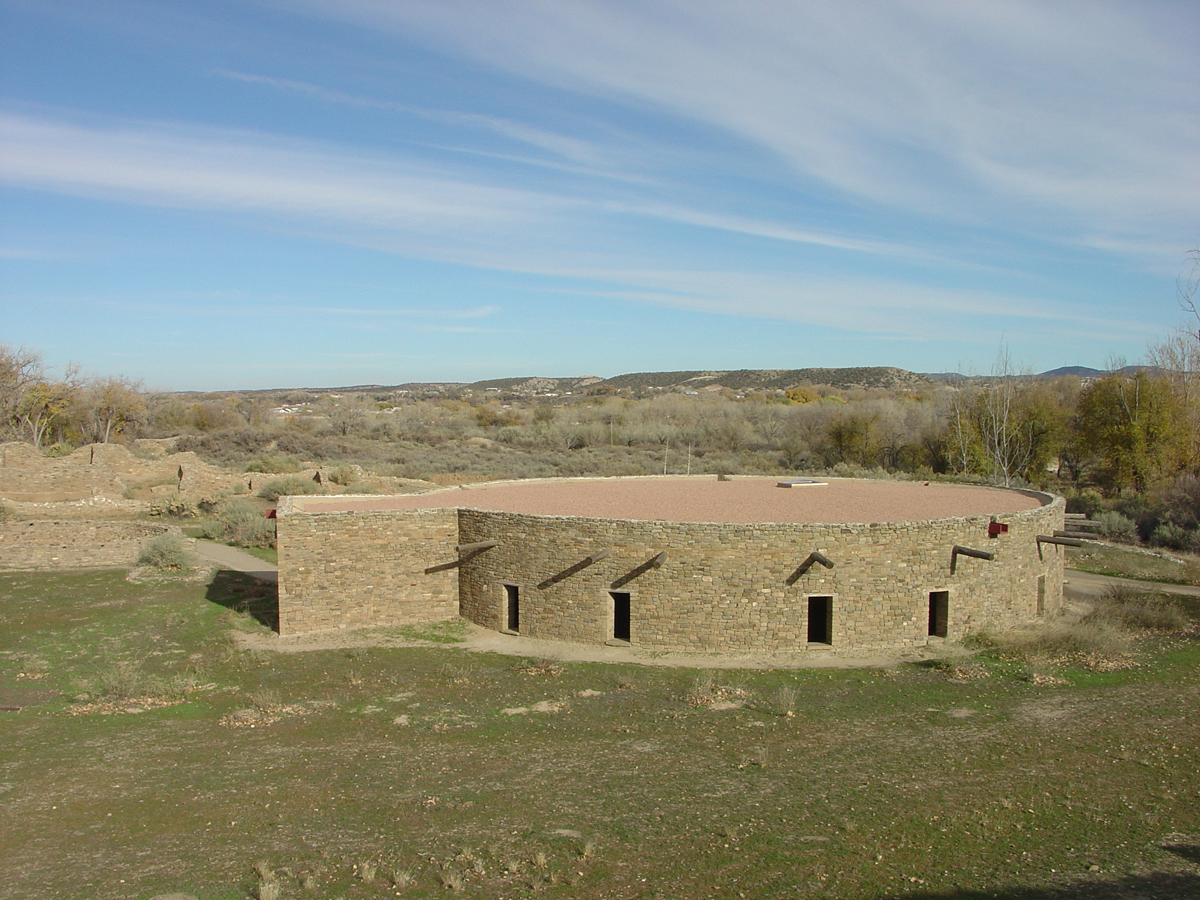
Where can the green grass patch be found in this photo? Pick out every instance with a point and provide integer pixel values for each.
(426, 771)
(452, 632)
(267, 554)
(1128, 562)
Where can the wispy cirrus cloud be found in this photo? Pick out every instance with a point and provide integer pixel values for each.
(388, 201)
(222, 169)
(1051, 121)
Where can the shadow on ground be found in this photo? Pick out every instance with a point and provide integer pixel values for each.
(1152, 886)
(244, 593)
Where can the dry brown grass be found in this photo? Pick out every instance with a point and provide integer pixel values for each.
(1102, 640)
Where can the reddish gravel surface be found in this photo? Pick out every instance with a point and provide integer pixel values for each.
(704, 499)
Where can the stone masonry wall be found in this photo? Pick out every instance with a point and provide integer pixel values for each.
(724, 587)
(364, 569)
(42, 544)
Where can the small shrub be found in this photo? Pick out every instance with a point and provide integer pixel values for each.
(241, 523)
(402, 878)
(174, 507)
(120, 681)
(165, 552)
(289, 487)
(54, 451)
(1116, 527)
(785, 700)
(6, 513)
(1174, 537)
(703, 686)
(273, 464)
(266, 699)
(452, 880)
(343, 475)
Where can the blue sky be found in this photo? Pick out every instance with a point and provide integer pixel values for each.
(250, 194)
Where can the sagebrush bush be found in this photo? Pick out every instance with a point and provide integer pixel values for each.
(273, 464)
(54, 451)
(239, 522)
(288, 487)
(1175, 537)
(1116, 527)
(228, 446)
(344, 475)
(165, 552)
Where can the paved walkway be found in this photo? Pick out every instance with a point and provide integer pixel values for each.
(1084, 585)
(239, 560)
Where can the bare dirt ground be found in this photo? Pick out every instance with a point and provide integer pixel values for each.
(476, 639)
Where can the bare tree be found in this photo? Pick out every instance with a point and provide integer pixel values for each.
(960, 424)
(30, 402)
(1188, 287)
(20, 369)
(1178, 359)
(1011, 436)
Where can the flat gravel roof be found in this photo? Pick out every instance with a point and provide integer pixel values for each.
(745, 500)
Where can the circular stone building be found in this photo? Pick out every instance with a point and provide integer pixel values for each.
(695, 564)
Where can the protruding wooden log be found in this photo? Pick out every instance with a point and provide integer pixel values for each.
(477, 546)
(578, 567)
(815, 557)
(1060, 539)
(967, 551)
(1056, 538)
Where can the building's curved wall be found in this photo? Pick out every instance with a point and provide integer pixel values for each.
(725, 587)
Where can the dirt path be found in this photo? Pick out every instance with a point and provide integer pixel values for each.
(1086, 585)
(239, 560)
(483, 640)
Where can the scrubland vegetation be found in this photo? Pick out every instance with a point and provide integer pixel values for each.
(1123, 447)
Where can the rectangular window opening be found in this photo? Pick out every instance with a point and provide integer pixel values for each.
(1041, 595)
(620, 619)
(939, 613)
(512, 607)
(820, 620)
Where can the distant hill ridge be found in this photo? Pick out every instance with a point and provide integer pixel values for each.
(742, 380)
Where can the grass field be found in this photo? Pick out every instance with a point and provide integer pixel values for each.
(150, 755)
(1131, 562)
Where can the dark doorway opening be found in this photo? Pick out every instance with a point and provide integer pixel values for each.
(939, 613)
(512, 607)
(820, 620)
(620, 600)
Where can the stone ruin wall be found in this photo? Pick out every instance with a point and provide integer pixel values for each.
(365, 569)
(45, 544)
(723, 587)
